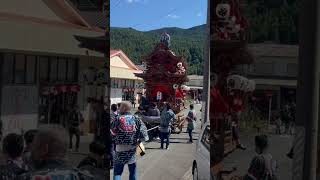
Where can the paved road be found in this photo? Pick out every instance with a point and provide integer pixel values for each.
(279, 147)
(174, 163)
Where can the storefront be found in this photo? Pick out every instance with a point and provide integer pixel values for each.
(42, 65)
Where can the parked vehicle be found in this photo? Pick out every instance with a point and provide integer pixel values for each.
(201, 162)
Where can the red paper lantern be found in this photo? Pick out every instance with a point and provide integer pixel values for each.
(62, 88)
(45, 91)
(75, 88)
(217, 102)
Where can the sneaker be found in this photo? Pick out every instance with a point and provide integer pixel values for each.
(290, 155)
(240, 146)
(167, 148)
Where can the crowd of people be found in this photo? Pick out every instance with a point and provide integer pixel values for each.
(287, 117)
(128, 131)
(42, 153)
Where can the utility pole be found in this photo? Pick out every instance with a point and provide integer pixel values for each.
(1, 84)
(305, 143)
(206, 72)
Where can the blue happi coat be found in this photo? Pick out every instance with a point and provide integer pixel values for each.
(128, 129)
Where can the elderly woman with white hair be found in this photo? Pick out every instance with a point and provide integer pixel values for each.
(48, 155)
(129, 132)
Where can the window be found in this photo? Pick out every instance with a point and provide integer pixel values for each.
(205, 140)
(71, 70)
(8, 66)
(264, 68)
(53, 69)
(292, 69)
(23, 69)
(44, 68)
(20, 67)
(62, 69)
(117, 83)
(31, 70)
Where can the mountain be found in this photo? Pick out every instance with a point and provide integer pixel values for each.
(188, 43)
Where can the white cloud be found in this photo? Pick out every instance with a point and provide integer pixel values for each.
(173, 16)
(199, 14)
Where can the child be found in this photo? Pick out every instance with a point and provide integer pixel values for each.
(190, 119)
(28, 139)
(278, 125)
(13, 148)
(262, 165)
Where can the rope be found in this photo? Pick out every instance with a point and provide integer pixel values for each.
(152, 128)
(147, 130)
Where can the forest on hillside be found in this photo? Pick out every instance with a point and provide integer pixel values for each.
(269, 20)
(187, 43)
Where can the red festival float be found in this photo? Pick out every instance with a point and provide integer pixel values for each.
(164, 79)
(229, 91)
(165, 75)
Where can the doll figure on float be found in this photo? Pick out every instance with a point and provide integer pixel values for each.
(229, 22)
(235, 87)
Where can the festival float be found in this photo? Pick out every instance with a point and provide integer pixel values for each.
(229, 91)
(164, 77)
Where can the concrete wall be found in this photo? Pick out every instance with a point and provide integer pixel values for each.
(19, 110)
(271, 66)
(116, 95)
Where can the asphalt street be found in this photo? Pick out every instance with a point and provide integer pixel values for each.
(173, 164)
(279, 146)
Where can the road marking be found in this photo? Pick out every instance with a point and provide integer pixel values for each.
(187, 175)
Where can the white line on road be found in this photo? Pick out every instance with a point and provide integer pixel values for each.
(187, 175)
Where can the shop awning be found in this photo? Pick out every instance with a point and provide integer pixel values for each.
(195, 87)
(275, 82)
(32, 37)
(122, 73)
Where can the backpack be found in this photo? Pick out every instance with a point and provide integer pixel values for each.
(190, 115)
(166, 119)
(264, 170)
(270, 168)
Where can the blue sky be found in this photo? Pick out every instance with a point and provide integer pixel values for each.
(147, 15)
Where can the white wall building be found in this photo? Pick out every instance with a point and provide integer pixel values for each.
(124, 84)
(38, 53)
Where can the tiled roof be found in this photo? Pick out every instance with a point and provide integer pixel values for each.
(113, 52)
(124, 57)
(95, 18)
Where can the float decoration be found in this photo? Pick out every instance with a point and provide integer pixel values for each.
(165, 72)
(229, 92)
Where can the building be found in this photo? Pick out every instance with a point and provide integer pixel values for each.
(93, 11)
(42, 65)
(275, 72)
(124, 84)
(195, 84)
